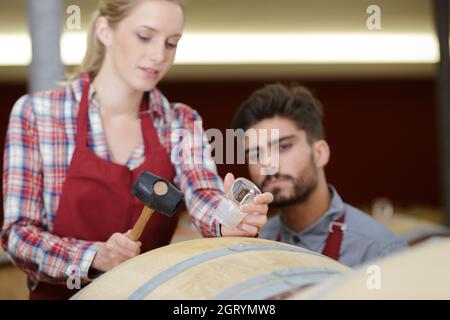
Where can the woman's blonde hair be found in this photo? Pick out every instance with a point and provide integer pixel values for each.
(113, 11)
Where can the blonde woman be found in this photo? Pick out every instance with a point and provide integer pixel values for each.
(72, 155)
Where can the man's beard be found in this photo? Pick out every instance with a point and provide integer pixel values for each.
(302, 188)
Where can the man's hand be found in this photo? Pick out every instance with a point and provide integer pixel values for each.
(256, 213)
(117, 249)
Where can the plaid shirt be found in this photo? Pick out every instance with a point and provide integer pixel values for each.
(39, 146)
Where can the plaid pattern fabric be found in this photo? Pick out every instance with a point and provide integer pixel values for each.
(39, 146)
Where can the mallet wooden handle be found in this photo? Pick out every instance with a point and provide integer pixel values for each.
(139, 226)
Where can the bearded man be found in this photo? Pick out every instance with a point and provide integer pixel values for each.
(310, 212)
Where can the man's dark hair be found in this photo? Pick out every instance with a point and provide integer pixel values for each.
(293, 102)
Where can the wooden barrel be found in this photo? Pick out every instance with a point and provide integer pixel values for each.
(414, 230)
(214, 268)
(12, 280)
(421, 272)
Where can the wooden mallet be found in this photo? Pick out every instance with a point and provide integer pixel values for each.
(157, 194)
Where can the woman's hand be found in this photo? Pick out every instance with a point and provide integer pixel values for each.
(117, 249)
(256, 212)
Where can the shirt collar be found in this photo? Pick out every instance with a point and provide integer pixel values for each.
(157, 102)
(334, 211)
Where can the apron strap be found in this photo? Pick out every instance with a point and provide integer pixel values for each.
(82, 118)
(147, 122)
(335, 236)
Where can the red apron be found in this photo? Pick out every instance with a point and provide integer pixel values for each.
(96, 200)
(333, 242)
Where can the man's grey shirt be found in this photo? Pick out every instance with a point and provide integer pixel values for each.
(365, 239)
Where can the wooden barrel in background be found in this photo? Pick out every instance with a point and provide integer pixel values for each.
(421, 272)
(214, 268)
(413, 224)
(414, 230)
(12, 280)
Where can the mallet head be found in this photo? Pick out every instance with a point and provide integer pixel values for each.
(157, 193)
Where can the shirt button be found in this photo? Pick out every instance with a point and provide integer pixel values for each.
(296, 239)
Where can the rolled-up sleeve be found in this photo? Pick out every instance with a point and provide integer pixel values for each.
(196, 172)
